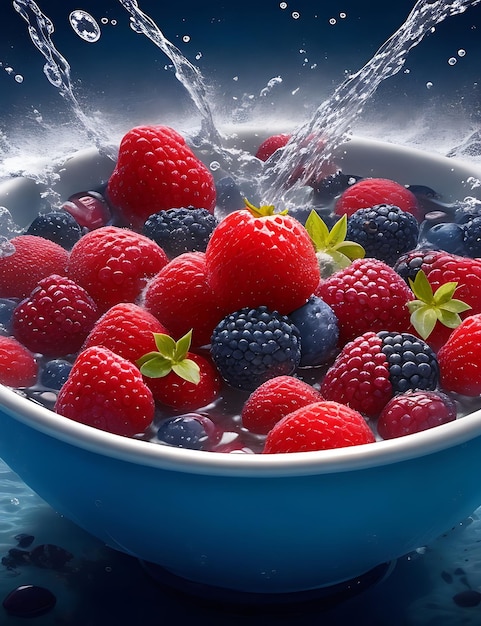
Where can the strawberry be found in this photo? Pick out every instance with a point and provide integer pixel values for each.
(257, 257)
(26, 259)
(319, 426)
(177, 377)
(56, 317)
(106, 391)
(270, 145)
(415, 411)
(366, 295)
(114, 264)
(155, 171)
(441, 268)
(273, 400)
(18, 367)
(126, 329)
(460, 358)
(372, 368)
(369, 192)
(181, 298)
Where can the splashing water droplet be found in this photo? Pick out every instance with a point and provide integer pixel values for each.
(332, 21)
(186, 38)
(104, 20)
(452, 61)
(283, 5)
(84, 25)
(343, 15)
(295, 15)
(429, 85)
(461, 53)
(19, 78)
(214, 166)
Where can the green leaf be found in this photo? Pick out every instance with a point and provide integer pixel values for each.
(351, 249)
(444, 293)
(182, 347)
(456, 306)
(165, 345)
(424, 320)
(156, 367)
(317, 230)
(421, 287)
(448, 318)
(188, 370)
(338, 232)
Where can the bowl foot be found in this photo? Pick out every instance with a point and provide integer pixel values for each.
(323, 597)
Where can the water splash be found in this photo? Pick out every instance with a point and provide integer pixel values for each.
(57, 70)
(314, 143)
(186, 73)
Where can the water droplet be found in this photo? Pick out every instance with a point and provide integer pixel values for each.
(452, 61)
(7, 248)
(461, 52)
(104, 20)
(113, 22)
(198, 56)
(332, 21)
(14, 501)
(343, 15)
(19, 78)
(84, 25)
(406, 71)
(295, 15)
(108, 569)
(9, 70)
(429, 84)
(214, 166)
(283, 5)
(186, 38)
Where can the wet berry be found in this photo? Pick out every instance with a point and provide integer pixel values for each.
(58, 226)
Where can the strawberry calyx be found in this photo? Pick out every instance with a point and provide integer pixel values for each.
(429, 308)
(264, 210)
(171, 356)
(334, 252)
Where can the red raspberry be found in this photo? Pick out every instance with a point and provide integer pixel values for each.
(25, 260)
(369, 192)
(18, 367)
(56, 317)
(183, 395)
(414, 411)
(126, 329)
(273, 400)
(180, 297)
(114, 264)
(106, 391)
(270, 145)
(367, 295)
(155, 171)
(460, 358)
(318, 426)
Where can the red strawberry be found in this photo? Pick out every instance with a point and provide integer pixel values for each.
(156, 170)
(415, 411)
(114, 264)
(56, 317)
(319, 426)
(256, 257)
(106, 391)
(25, 260)
(273, 400)
(440, 268)
(460, 358)
(18, 367)
(367, 295)
(369, 192)
(126, 329)
(180, 297)
(371, 369)
(177, 377)
(270, 145)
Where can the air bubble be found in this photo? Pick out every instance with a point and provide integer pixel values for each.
(461, 52)
(214, 165)
(104, 20)
(452, 61)
(186, 38)
(429, 85)
(198, 56)
(283, 5)
(84, 25)
(295, 15)
(332, 21)
(9, 70)
(19, 78)
(113, 22)
(343, 16)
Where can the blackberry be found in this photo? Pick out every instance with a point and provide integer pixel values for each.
(472, 237)
(384, 231)
(412, 362)
(190, 431)
(57, 226)
(55, 373)
(251, 346)
(181, 230)
(409, 264)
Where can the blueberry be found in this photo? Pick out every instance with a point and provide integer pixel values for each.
(472, 237)
(229, 197)
(446, 236)
(55, 373)
(318, 327)
(190, 431)
(57, 226)
(7, 306)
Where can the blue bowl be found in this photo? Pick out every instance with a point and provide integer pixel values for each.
(252, 523)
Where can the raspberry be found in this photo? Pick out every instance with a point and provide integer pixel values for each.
(56, 318)
(18, 367)
(252, 345)
(415, 411)
(181, 230)
(114, 264)
(384, 231)
(460, 358)
(320, 426)
(270, 145)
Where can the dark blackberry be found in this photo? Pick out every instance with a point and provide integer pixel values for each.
(181, 230)
(58, 226)
(409, 264)
(412, 362)
(472, 237)
(55, 373)
(190, 431)
(384, 231)
(251, 346)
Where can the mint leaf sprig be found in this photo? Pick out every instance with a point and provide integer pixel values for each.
(171, 356)
(428, 308)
